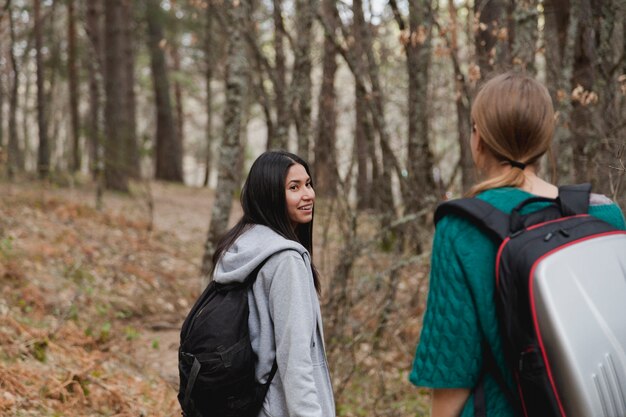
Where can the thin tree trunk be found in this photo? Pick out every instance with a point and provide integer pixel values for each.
(178, 97)
(364, 142)
(462, 101)
(301, 82)
(228, 174)
(169, 157)
(130, 101)
(555, 33)
(491, 36)
(95, 65)
(326, 175)
(209, 62)
(583, 76)
(2, 87)
(280, 139)
(25, 108)
(13, 151)
(43, 155)
(524, 47)
(72, 73)
(609, 18)
(420, 158)
(383, 182)
(115, 171)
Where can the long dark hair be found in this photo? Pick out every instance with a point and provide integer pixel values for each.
(263, 202)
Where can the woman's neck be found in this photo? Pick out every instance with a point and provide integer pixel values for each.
(533, 184)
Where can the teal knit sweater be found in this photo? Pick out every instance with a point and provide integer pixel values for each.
(462, 270)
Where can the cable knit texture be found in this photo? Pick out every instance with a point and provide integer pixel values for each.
(463, 270)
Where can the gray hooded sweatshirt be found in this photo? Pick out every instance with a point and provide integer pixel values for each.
(285, 322)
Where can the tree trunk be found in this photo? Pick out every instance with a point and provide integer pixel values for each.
(95, 65)
(555, 33)
(209, 62)
(178, 97)
(420, 158)
(280, 139)
(491, 36)
(301, 81)
(115, 169)
(72, 74)
(462, 100)
(609, 18)
(326, 175)
(14, 155)
(364, 142)
(525, 24)
(43, 155)
(2, 88)
(228, 174)
(169, 156)
(130, 101)
(583, 76)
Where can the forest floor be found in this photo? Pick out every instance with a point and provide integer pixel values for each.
(92, 302)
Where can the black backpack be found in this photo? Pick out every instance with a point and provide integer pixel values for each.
(560, 290)
(216, 362)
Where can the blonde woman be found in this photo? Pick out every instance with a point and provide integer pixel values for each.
(512, 128)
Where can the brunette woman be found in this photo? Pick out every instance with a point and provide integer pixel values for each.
(285, 321)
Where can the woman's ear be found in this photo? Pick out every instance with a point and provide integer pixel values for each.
(476, 145)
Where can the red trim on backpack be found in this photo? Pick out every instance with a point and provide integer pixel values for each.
(500, 250)
(521, 394)
(534, 311)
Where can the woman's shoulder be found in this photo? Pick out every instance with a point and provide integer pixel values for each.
(604, 208)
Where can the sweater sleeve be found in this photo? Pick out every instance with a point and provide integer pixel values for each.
(293, 313)
(610, 213)
(448, 354)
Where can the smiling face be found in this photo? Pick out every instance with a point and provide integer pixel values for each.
(299, 195)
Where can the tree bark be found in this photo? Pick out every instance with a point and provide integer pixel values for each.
(129, 114)
(325, 167)
(169, 157)
(525, 24)
(2, 88)
(555, 33)
(280, 138)
(364, 141)
(609, 18)
(43, 154)
(491, 36)
(14, 154)
(115, 169)
(209, 63)
(228, 174)
(583, 76)
(178, 96)
(420, 158)
(95, 64)
(301, 81)
(72, 73)
(462, 100)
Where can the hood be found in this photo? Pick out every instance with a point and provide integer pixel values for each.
(249, 250)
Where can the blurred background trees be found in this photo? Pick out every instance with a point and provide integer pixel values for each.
(375, 94)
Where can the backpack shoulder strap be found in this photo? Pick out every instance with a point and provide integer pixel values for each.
(574, 199)
(488, 218)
